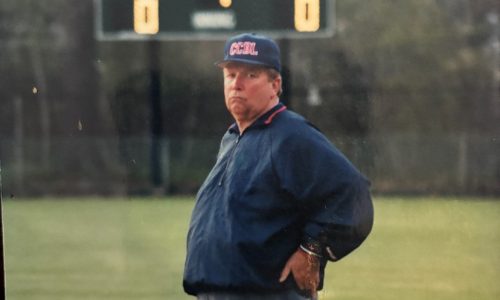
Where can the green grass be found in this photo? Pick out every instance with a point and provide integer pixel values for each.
(420, 248)
(94, 249)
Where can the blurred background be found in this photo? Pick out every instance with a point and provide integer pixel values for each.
(112, 111)
(409, 90)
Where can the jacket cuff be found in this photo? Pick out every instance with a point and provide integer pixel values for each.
(311, 246)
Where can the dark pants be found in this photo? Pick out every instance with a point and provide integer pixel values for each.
(289, 295)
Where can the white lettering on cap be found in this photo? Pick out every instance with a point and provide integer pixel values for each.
(245, 48)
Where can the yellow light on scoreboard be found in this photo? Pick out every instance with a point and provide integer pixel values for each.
(225, 3)
(307, 14)
(146, 16)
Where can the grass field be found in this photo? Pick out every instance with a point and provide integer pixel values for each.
(420, 248)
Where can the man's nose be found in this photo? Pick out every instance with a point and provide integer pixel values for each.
(238, 83)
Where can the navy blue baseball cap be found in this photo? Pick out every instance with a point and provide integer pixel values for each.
(250, 48)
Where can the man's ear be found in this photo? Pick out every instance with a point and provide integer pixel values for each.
(277, 85)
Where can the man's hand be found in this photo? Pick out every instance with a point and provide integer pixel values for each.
(305, 271)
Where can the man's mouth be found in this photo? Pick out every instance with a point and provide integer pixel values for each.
(236, 99)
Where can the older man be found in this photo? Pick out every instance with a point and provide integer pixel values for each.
(281, 200)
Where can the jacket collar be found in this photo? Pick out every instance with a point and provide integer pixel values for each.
(263, 120)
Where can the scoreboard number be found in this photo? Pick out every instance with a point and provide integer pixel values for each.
(225, 3)
(307, 15)
(146, 16)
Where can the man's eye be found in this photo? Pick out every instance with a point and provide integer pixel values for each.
(252, 75)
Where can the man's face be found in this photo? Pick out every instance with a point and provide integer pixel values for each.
(248, 90)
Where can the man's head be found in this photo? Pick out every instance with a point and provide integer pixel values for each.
(252, 82)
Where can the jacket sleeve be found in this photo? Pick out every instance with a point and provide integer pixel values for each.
(332, 194)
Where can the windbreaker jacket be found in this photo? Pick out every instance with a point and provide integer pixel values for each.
(280, 184)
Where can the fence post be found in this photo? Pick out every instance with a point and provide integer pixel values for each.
(18, 145)
(2, 265)
(462, 162)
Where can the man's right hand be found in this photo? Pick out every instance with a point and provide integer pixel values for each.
(305, 270)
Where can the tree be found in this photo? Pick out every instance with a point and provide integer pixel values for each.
(425, 73)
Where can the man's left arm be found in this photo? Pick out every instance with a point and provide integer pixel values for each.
(333, 230)
(341, 222)
(334, 195)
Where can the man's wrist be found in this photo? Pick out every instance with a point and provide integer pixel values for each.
(311, 247)
(311, 253)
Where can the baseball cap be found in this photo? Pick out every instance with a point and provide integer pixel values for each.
(251, 48)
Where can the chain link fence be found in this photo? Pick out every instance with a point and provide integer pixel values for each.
(396, 163)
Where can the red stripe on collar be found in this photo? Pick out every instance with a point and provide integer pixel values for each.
(271, 117)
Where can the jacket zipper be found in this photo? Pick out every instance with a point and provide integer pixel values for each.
(230, 158)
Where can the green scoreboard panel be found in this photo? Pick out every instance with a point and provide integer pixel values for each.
(211, 19)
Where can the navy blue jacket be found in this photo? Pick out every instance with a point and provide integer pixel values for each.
(280, 184)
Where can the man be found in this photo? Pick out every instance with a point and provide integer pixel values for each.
(280, 201)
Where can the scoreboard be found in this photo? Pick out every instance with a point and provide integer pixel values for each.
(211, 19)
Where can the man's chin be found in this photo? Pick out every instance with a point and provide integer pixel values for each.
(237, 109)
